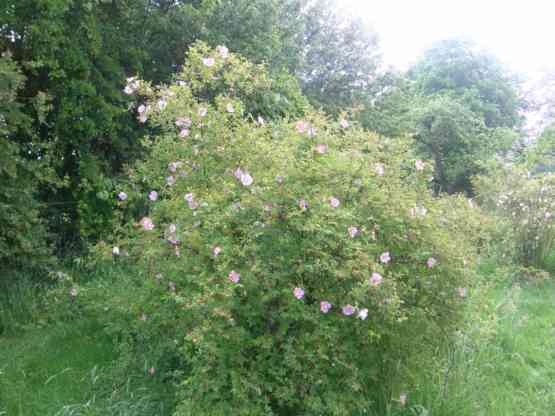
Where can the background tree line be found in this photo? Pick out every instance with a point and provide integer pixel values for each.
(66, 130)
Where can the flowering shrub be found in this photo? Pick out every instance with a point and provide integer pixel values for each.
(305, 261)
(525, 202)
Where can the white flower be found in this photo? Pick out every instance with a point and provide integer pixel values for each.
(363, 314)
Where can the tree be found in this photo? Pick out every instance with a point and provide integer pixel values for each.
(466, 111)
(23, 237)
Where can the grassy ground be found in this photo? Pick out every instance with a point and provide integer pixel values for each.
(65, 370)
(512, 373)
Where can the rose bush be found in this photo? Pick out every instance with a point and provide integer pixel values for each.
(301, 266)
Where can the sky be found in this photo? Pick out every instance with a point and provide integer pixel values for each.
(521, 33)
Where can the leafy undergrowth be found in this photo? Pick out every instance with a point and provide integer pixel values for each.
(65, 370)
(512, 373)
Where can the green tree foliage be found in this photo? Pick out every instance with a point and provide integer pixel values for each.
(467, 110)
(461, 69)
(541, 156)
(23, 238)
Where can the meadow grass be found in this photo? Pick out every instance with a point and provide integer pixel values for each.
(509, 373)
(65, 369)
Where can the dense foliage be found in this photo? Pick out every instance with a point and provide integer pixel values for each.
(23, 237)
(305, 260)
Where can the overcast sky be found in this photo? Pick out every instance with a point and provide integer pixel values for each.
(520, 33)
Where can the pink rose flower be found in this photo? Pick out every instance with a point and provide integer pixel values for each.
(170, 180)
(347, 310)
(122, 196)
(234, 276)
(183, 122)
(298, 293)
(419, 165)
(321, 148)
(376, 279)
(385, 257)
(303, 205)
(325, 306)
(153, 196)
(379, 169)
(184, 133)
(223, 51)
(208, 61)
(147, 224)
(141, 109)
(353, 231)
(431, 262)
(334, 202)
(246, 179)
(344, 124)
(229, 108)
(216, 251)
(301, 126)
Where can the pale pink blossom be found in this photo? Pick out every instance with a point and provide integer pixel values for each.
(362, 314)
(344, 123)
(246, 179)
(325, 306)
(183, 122)
(238, 173)
(223, 51)
(229, 108)
(462, 291)
(353, 231)
(122, 196)
(184, 133)
(419, 165)
(301, 126)
(334, 202)
(321, 148)
(298, 293)
(234, 276)
(208, 61)
(162, 104)
(379, 169)
(170, 180)
(189, 197)
(348, 310)
(147, 224)
(153, 196)
(385, 257)
(141, 109)
(216, 251)
(128, 90)
(312, 131)
(431, 262)
(172, 167)
(376, 279)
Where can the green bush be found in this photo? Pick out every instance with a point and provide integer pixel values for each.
(524, 202)
(296, 267)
